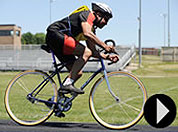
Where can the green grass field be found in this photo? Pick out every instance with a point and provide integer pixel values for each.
(157, 76)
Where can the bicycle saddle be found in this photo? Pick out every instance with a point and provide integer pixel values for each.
(46, 48)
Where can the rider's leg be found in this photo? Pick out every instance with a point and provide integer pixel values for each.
(78, 76)
(72, 59)
(83, 57)
(83, 54)
(72, 47)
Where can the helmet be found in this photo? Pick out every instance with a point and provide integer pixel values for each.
(102, 8)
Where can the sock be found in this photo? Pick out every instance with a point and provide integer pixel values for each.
(77, 66)
(68, 81)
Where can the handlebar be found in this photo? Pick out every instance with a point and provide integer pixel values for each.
(111, 42)
(108, 42)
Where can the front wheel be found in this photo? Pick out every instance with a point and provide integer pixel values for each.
(120, 107)
(23, 109)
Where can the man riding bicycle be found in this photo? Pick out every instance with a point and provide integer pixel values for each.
(63, 38)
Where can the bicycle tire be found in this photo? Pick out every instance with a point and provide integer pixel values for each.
(19, 108)
(132, 97)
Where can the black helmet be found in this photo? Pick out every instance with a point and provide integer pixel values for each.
(102, 8)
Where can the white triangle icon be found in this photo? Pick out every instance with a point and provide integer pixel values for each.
(161, 111)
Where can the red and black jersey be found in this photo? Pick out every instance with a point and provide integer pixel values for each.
(73, 22)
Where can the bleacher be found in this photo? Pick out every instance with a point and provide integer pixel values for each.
(33, 57)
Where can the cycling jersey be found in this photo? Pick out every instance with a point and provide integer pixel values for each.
(63, 36)
(71, 25)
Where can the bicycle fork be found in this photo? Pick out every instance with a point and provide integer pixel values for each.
(107, 81)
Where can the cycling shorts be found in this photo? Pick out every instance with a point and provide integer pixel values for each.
(69, 45)
(62, 45)
(61, 42)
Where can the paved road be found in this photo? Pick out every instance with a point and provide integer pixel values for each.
(10, 126)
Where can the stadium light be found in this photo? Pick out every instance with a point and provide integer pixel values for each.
(169, 36)
(164, 15)
(139, 34)
(50, 2)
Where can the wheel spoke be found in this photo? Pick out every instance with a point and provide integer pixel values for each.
(130, 106)
(22, 85)
(108, 107)
(126, 113)
(133, 98)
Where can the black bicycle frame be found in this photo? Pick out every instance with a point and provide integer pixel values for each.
(58, 68)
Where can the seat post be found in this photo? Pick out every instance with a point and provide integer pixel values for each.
(56, 69)
(54, 59)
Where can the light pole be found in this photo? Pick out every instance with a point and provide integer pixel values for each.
(164, 17)
(139, 34)
(50, 2)
(169, 36)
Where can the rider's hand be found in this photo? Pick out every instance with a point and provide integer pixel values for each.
(109, 48)
(114, 58)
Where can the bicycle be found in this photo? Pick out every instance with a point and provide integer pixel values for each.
(116, 99)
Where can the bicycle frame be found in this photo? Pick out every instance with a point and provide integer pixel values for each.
(58, 68)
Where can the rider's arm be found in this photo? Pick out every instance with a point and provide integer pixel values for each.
(87, 31)
(95, 53)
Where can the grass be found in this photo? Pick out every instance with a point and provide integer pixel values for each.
(157, 76)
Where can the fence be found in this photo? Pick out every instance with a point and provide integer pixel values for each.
(32, 57)
(169, 54)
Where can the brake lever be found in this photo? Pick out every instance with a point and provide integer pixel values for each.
(110, 63)
(115, 52)
(113, 44)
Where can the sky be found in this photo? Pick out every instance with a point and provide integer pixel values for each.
(34, 16)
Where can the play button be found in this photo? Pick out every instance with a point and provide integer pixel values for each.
(159, 111)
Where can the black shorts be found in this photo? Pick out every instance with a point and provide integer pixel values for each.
(55, 40)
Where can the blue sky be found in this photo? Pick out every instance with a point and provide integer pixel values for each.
(33, 16)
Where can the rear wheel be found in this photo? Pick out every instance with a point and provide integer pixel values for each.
(26, 111)
(111, 112)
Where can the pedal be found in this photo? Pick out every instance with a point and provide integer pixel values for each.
(63, 91)
(59, 114)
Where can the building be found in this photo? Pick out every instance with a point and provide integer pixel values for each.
(150, 51)
(10, 34)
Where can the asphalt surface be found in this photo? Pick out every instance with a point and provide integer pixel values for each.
(10, 126)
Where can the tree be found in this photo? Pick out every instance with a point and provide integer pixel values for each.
(29, 38)
(40, 38)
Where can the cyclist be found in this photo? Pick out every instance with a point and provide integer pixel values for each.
(63, 38)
